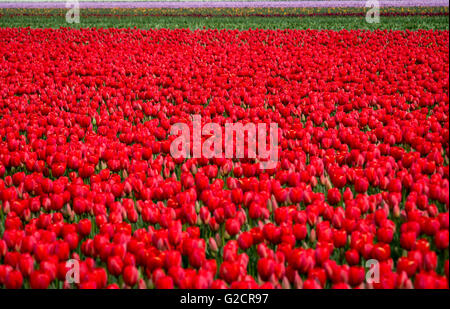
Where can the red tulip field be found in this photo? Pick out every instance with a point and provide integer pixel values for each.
(87, 178)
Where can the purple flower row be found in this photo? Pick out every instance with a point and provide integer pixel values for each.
(225, 4)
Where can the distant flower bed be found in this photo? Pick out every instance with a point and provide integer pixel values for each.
(229, 4)
(231, 12)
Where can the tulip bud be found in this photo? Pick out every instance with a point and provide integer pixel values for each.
(269, 205)
(312, 236)
(142, 285)
(403, 215)
(27, 215)
(298, 283)
(213, 244)
(160, 244)
(20, 191)
(344, 276)
(199, 221)
(242, 217)
(166, 173)
(127, 189)
(314, 181)
(197, 207)
(408, 284)
(6, 207)
(273, 279)
(387, 210)
(214, 225)
(322, 179)
(274, 203)
(66, 210)
(285, 283)
(328, 184)
(396, 211)
(225, 169)
(261, 225)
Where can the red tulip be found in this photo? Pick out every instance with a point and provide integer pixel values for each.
(385, 235)
(26, 264)
(430, 260)
(165, 282)
(84, 227)
(232, 227)
(356, 275)
(130, 275)
(352, 257)
(361, 185)
(39, 280)
(408, 240)
(266, 268)
(334, 196)
(14, 280)
(441, 239)
(245, 240)
(340, 239)
(406, 265)
(115, 265)
(229, 271)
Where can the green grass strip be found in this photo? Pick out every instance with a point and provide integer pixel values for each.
(241, 23)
